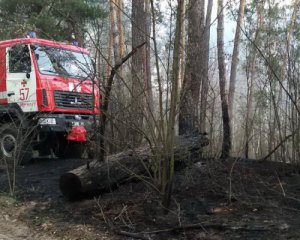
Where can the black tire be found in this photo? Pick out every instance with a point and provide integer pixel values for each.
(68, 149)
(14, 148)
(75, 150)
(90, 153)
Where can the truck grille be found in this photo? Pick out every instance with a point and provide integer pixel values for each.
(73, 100)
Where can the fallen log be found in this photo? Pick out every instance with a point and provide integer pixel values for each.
(97, 177)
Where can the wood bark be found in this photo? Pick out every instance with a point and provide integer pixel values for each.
(138, 70)
(292, 84)
(250, 83)
(115, 106)
(182, 55)
(226, 145)
(182, 47)
(287, 73)
(235, 57)
(205, 81)
(120, 28)
(121, 33)
(110, 53)
(115, 31)
(148, 82)
(98, 177)
(190, 93)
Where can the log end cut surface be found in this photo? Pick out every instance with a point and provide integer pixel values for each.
(70, 186)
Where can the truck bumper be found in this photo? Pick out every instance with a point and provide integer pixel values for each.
(73, 127)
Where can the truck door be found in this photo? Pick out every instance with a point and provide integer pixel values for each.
(21, 78)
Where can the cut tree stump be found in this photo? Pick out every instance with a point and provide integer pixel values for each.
(97, 177)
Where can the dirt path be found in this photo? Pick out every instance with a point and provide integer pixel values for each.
(9, 231)
(18, 231)
(10, 227)
(32, 214)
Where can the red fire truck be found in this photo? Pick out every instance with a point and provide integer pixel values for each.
(48, 98)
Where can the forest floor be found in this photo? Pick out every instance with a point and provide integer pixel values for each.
(213, 199)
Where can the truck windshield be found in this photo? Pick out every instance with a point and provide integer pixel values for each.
(62, 62)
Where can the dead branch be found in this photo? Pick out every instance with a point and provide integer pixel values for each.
(278, 145)
(130, 234)
(104, 106)
(204, 226)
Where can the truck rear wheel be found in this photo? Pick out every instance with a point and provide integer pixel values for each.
(14, 148)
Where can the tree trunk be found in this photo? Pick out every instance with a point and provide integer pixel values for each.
(120, 28)
(121, 32)
(182, 47)
(115, 105)
(205, 81)
(149, 108)
(250, 83)
(235, 56)
(138, 71)
(226, 145)
(98, 177)
(110, 54)
(115, 32)
(182, 59)
(293, 85)
(190, 92)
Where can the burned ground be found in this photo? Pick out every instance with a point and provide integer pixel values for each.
(214, 199)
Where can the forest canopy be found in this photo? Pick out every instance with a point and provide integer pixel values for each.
(59, 20)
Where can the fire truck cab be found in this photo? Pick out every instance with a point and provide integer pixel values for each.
(48, 98)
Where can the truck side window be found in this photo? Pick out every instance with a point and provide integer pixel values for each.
(19, 59)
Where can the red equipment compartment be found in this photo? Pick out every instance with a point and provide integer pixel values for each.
(77, 134)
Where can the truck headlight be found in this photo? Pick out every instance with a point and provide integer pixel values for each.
(47, 121)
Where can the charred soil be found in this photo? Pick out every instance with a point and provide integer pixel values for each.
(213, 199)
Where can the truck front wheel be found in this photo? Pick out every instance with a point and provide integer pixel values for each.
(14, 148)
(68, 149)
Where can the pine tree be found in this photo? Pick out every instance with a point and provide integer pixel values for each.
(59, 20)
